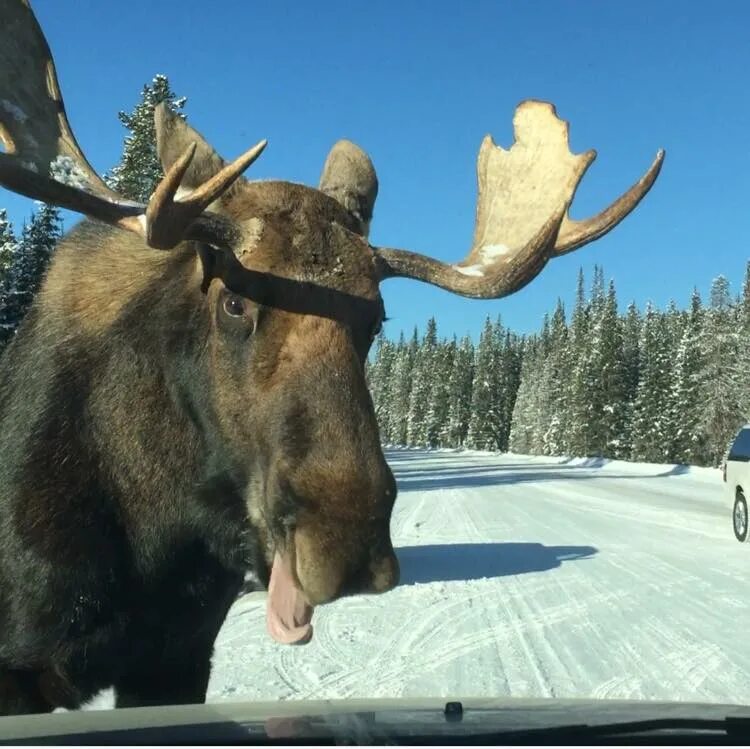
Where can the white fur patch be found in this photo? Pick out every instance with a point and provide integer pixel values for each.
(252, 231)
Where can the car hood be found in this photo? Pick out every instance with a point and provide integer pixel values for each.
(350, 721)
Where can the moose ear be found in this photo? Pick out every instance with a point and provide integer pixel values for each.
(349, 177)
(173, 136)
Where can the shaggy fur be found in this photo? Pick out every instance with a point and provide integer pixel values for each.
(155, 448)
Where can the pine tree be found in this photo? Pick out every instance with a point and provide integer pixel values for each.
(438, 413)
(510, 350)
(403, 370)
(522, 423)
(668, 386)
(743, 353)
(579, 408)
(721, 375)
(631, 362)
(7, 246)
(8, 249)
(598, 294)
(606, 381)
(460, 386)
(554, 388)
(380, 378)
(745, 302)
(421, 392)
(28, 266)
(688, 441)
(650, 435)
(139, 170)
(481, 428)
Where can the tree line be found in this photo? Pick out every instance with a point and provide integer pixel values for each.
(664, 386)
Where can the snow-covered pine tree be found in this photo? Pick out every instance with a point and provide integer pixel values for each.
(7, 245)
(511, 357)
(524, 426)
(578, 400)
(481, 423)
(743, 355)
(380, 381)
(631, 360)
(421, 392)
(598, 292)
(745, 316)
(28, 266)
(607, 379)
(439, 410)
(554, 389)
(650, 430)
(683, 379)
(544, 336)
(539, 392)
(675, 323)
(688, 441)
(721, 376)
(460, 386)
(139, 170)
(403, 370)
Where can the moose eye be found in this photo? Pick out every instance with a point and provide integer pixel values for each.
(234, 306)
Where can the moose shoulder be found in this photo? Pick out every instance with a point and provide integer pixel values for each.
(186, 399)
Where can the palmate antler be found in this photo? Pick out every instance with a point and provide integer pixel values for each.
(43, 159)
(522, 211)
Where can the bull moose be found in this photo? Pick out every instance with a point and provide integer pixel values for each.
(186, 399)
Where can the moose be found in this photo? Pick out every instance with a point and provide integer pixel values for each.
(186, 400)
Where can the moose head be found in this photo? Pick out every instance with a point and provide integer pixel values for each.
(289, 287)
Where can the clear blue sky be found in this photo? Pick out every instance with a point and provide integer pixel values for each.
(418, 84)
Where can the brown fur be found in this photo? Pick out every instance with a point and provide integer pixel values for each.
(156, 447)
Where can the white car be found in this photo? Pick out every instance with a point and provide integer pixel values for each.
(737, 479)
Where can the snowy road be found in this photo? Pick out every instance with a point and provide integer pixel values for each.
(526, 577)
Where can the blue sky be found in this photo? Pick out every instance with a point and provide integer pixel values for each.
(418, 84)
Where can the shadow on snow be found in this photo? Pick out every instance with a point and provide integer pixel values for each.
(451, 475)
(454, 562)
(469, 476)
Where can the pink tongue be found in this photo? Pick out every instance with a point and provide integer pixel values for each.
(288, 614)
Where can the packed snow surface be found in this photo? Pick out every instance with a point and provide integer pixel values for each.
(525, 577)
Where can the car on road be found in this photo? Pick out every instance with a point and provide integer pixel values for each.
(737, 479)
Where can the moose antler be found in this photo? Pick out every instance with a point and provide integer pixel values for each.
(522, 211)
(43, 159)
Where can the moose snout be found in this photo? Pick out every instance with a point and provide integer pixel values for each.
(331, 565)
(378, 574)
(385, 573)
(338, 529)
